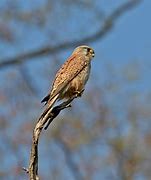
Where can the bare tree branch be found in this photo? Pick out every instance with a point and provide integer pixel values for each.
(50, 115)
(106, 28)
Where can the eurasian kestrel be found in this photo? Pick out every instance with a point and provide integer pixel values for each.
(72, 76)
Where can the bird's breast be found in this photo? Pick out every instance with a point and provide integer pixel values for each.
(77, 84)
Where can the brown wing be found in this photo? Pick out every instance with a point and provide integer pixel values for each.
(59, 78)
(70, 69)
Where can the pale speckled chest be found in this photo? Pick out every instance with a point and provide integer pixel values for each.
(77, 84)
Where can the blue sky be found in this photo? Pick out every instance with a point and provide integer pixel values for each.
(130, 37)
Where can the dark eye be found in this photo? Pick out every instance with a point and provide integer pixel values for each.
(89, 49)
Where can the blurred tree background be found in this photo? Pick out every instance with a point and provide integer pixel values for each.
(106, 134)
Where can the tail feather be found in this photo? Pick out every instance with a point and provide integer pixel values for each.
(49, 105)
(46, 99)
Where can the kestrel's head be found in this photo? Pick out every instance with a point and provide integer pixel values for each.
(86, 50)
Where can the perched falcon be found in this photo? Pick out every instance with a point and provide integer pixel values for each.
(71, 77)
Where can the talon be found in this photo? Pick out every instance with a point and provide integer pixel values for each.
(79, 93)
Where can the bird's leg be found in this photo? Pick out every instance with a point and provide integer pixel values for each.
(79, 93)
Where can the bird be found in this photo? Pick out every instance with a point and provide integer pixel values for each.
(71, 78)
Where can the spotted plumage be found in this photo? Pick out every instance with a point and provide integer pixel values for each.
(72, 76)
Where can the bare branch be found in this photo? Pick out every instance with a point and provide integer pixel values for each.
(49, 117)
(106, 28)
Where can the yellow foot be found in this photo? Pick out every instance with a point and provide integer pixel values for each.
(79, 93)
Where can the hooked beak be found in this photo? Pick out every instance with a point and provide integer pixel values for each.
(93, 54)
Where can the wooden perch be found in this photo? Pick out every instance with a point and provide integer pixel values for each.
(48, 118)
